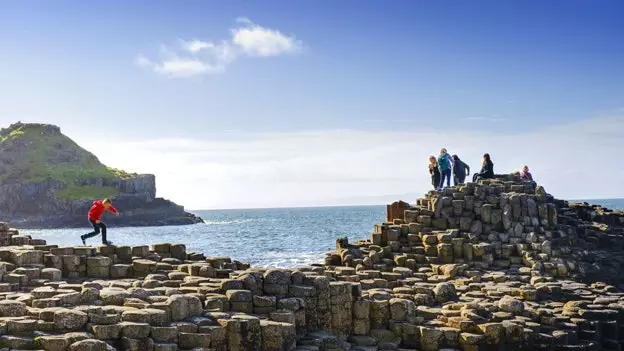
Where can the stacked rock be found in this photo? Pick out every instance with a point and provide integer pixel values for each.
(496, 224)
(495, 265)
(487, 265)
(161, 298)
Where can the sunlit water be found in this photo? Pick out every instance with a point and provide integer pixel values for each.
(264, 237)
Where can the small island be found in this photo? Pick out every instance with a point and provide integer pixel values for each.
(49, 181)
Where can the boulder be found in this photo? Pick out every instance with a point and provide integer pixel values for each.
(66, 319)
(183, 306)
(511, 305)
(114, 296)
(9, 308)
(445, 292)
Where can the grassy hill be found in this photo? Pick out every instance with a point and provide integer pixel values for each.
(34, 153)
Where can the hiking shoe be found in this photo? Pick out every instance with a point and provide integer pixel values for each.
(84, 242)
(107, 243)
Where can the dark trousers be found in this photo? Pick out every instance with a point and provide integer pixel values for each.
(435, 181)
(459, 179)
(445, 174)
(96, 230)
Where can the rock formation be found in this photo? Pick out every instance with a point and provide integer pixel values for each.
(499, 265)
(48, 181)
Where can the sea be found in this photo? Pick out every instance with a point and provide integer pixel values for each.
(276, 237)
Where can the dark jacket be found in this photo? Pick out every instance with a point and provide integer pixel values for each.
(434, 172)
(461, 169)
(487, 170)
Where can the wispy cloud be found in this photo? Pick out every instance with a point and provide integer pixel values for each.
(486, 119)
(317, 168)
(180, 67)
(196, 57)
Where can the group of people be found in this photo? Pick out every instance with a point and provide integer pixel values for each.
(445, 165)
(440, 169)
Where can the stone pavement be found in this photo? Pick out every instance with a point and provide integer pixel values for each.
(499, 265)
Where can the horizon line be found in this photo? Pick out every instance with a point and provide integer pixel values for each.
(359, 205)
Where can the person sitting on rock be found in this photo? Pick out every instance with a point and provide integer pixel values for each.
(445, 166)
(460, 170)
(487, 169)
(434, 172)
(95, 214)
(525, 174)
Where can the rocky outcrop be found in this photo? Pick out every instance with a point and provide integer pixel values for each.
(491, 266)
(48, 181)
(34, 205)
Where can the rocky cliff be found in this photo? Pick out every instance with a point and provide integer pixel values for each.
(48, 181)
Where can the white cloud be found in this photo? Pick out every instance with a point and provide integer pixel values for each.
(197, 57)
(334, 167)
(259, 41)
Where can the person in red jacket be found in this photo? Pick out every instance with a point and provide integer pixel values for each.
(95, 213)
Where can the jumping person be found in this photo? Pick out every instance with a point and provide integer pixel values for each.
(460, 170)
(445, 165)
(434, 172)
(95, 213)
(487, 169)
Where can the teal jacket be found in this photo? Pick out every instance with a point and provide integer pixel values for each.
(444, 162)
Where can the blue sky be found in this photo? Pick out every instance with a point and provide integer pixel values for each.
(272, 99)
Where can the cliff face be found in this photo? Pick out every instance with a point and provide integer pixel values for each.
(47, 181)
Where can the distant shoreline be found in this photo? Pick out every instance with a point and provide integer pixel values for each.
(590, 201)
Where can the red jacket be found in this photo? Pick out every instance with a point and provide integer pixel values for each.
(96, 211)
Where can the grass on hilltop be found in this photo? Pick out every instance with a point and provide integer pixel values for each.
(30, 153)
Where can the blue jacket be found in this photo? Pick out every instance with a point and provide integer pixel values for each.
(444, 162)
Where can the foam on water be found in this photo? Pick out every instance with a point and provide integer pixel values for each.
(237, 221)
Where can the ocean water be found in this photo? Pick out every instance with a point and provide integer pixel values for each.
(264, 237)
(283, 237)
(613, 204)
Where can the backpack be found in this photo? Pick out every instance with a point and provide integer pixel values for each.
(444, 162)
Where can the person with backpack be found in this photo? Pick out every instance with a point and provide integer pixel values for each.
(445, 166)
(460, 170)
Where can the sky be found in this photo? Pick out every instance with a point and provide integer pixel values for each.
(237, 104)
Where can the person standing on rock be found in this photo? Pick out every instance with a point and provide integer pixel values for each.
(460, 170)
(487, 169)
(434, 172)
(445, 166)
(95, 214)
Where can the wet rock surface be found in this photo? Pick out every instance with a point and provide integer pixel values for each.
(499, 265)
